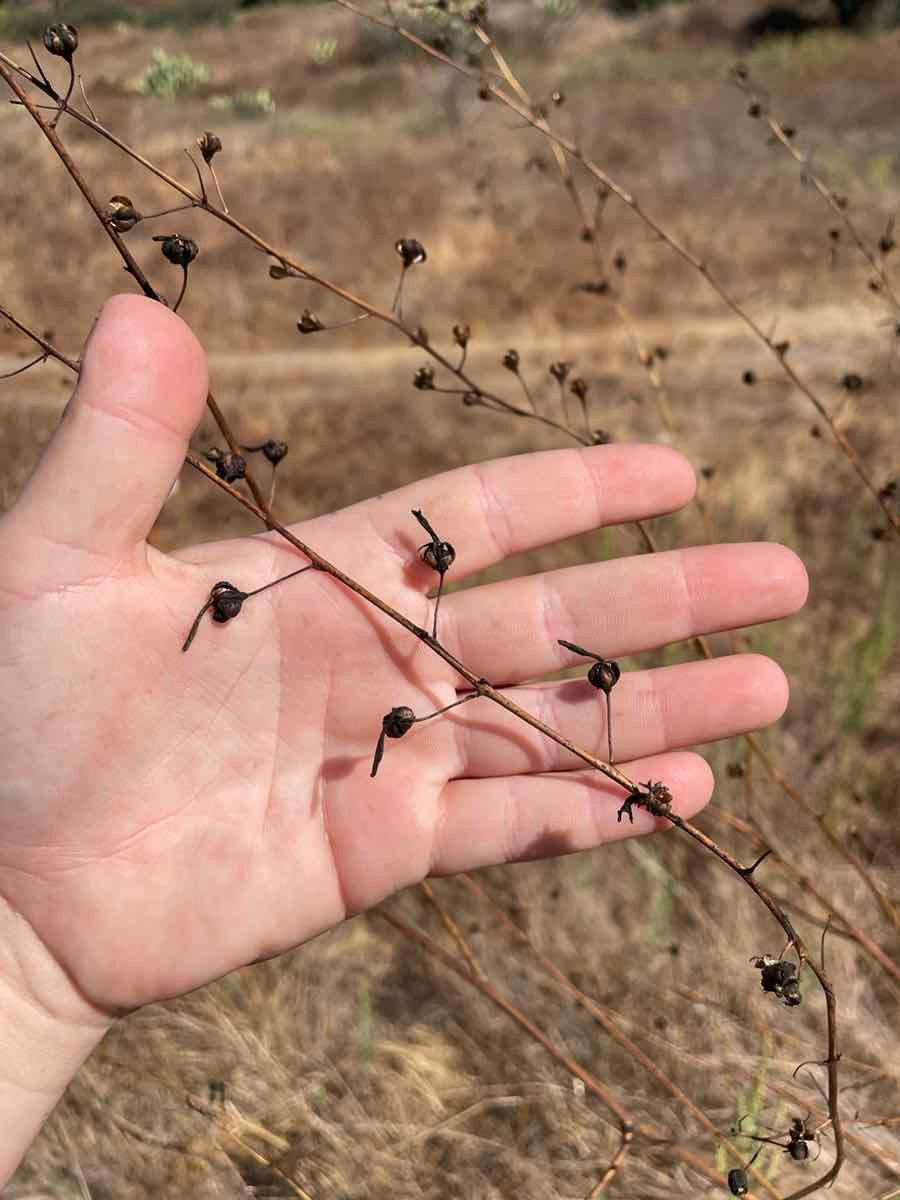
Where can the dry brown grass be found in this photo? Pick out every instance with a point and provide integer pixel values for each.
(376, 1074)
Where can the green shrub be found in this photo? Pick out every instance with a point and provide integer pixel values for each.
(255, 103)
(171, 74)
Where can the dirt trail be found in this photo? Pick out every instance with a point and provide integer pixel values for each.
(824, 338)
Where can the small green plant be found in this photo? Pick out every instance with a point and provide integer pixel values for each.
(560, 10)
(171, 74)
(323, 50)
(253, 103)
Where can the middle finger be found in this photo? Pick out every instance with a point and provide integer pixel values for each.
(508, 631)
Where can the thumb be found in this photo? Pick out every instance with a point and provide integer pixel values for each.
(108, 469)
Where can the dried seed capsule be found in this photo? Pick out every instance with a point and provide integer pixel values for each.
(309, 322)
(393, 725)
(604, 675)
(226, 601)
(558, 97)
(754, 109)
(851, 381)
(601, 437)
(210, 145)
(437, 554)
(511, 360)
(411, 251)
(424, 379)
(461, 335)
(61, 39)
(121, 213)
(779, 977)
(578, 387)
(398, 721)
(749, 377)
(737, 1182)
(274, 451)
(178, 249)
(593, 287)
(560, 371)
(620, 262)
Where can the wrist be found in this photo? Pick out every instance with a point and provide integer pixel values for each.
(47, 1030)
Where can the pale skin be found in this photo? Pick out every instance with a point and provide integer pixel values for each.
(166, 818)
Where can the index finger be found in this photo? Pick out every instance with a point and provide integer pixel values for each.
(492, 510)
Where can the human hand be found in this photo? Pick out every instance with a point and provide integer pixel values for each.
(166, 818)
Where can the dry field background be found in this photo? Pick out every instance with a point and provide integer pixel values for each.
(359, 1067)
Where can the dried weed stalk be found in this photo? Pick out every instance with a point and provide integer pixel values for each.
(779, 974)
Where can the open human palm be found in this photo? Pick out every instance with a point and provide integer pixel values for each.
(166, 817)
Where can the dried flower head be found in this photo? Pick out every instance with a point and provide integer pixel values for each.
(461, 335)
(424, 379)
(121, 214)
(411, 251)
(779, 977)
(61, 39)
(210, 144)
(178, 249)
(749, 377)
(229, 467)
(578, 387)
(560, 371)
(511, 361)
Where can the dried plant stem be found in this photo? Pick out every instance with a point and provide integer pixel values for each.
(603, 1019)
(590, 1081)
(127, 257)
(838, 209)
(49, 350)
(646, 359)
(221, 1128)
(480, 685)
(7, 66)
(539, 123)
(483, 688)
(452, 928)
(887, 907)
(41, 358)
(858, 935)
